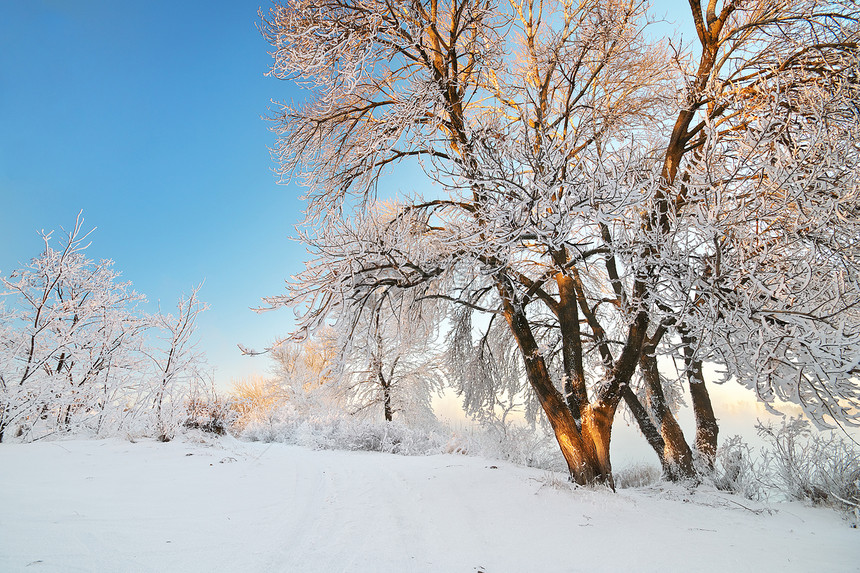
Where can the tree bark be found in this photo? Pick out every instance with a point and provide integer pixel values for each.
(677, 457)
(596, 434)
(386, 396)
(707, 429)
(574, 375)
(587, 458)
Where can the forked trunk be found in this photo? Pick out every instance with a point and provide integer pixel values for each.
(586, 452)
(581, 462)
(596, 434)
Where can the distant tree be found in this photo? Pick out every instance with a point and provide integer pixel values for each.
(389, 364)
(612, 199)
(255, 398)
(303, 373)
(177, 362)
(382, 358)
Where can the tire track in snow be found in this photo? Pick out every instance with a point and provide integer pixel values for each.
(348, 518)
(366, 515)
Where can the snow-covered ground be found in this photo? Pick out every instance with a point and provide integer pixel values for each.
(223, 505)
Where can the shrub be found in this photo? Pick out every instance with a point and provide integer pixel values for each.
(737, 470)
(819, 468)
(637, 475)
(216, 417)
(205, 410)
(343, 432)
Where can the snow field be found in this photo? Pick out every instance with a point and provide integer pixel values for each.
(223, 505)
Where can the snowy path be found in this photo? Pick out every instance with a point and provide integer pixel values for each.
(230, 506)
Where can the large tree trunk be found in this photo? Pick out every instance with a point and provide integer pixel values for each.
(677, 458)
(581, 463)
(707, 429)
(596, 433)
(579, 449)
(586, 452)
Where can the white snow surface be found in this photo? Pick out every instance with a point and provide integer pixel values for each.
(222, 505)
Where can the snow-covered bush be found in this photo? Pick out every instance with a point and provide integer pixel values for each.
(636, 475)
(344, 432)
(738, 470)
(206, 411)
(819, 468)
(520, 445)
(796, 463)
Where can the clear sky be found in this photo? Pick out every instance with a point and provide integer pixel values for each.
(146, 116)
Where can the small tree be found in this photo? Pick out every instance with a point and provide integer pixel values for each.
(389, 365)
(177, 363)
(304, 373)
(70, 342)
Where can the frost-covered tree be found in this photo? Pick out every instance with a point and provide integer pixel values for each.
(605, 197)
(303, 373)
(75, 347)
(384, 359)
(754, 265)
(389, 365)
(176, 361)
(71, 340)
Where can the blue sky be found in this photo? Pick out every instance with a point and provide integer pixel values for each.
(146, 116)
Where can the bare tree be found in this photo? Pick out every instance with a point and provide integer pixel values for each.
(71, 340)
(177, 363)
(388, 363)
(599, 190)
